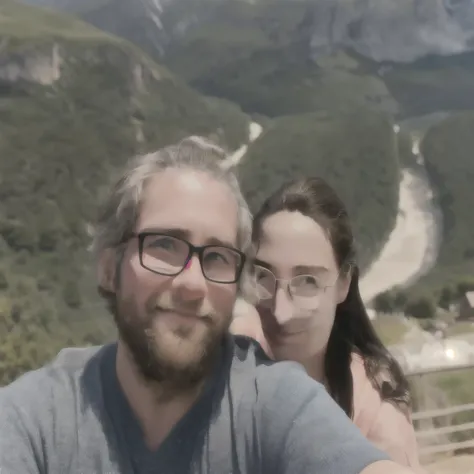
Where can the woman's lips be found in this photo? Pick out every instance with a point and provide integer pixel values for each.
(283, 334)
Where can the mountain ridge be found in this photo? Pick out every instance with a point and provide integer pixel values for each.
(381, 30)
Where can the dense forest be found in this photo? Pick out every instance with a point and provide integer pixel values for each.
(356, 153)
(447, 149)
(60, 144)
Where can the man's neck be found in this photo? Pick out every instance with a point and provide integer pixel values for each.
(156, 411)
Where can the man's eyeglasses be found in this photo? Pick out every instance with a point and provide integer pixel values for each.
(305, 290)
(167, 255)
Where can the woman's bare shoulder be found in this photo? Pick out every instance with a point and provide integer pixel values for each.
(386, 425)
(245, 320)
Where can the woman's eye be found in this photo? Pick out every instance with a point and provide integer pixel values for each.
(309, 281)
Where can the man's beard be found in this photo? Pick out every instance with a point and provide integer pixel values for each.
(178, 359)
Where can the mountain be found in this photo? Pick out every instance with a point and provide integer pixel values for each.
(279, 57)
(75, 104)
(382, 30)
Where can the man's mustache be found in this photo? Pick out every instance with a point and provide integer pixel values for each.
(164, 303)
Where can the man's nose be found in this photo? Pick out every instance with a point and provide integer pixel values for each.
(190, 283)
(283, 307)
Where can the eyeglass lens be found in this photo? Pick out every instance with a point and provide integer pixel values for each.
(168, 255)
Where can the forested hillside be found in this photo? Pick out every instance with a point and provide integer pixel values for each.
(357, 153)
(75, 104)
(447, 149)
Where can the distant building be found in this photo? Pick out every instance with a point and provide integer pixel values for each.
(466, 307)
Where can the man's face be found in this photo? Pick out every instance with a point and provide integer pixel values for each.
(173, 325)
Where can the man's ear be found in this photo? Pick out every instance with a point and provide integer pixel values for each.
(106, 270)
(343, 285)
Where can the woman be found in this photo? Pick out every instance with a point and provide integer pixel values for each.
(310, 310)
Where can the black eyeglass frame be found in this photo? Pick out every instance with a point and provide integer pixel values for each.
(193, 250)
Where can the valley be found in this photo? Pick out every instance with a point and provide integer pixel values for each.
(377, 97)
(86, 85)
(412, 247)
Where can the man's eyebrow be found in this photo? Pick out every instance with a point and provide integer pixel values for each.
(171, 231)
(186, 235)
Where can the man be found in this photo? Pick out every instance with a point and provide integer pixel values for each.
(177, 393)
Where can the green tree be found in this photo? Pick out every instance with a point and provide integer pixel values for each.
(3, 281)
(447, 296)
(71, 294)
(422, 307)
(384, 302)
(400, 299)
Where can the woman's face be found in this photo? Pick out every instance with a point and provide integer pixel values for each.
(299, 285)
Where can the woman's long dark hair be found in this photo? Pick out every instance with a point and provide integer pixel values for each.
(352, 331)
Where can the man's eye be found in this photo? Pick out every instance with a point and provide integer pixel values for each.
(162, 243)
(216, 256)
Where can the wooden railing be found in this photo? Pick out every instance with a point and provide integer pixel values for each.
(444, 430)
(425, 435)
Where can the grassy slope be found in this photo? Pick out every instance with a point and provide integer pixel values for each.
(22, 21)
(59, 145)
(356, 153)
(433, 83)
(390, 329)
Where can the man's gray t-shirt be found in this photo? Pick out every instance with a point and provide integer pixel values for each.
(254, 417)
